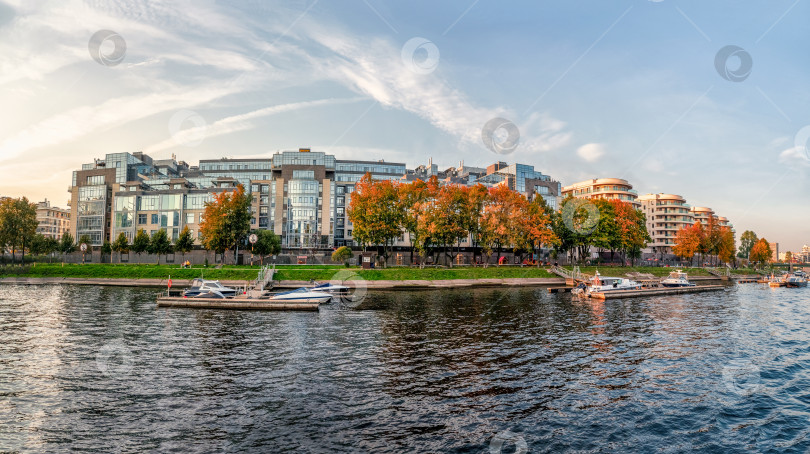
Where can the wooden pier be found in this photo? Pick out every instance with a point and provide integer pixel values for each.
(655, 292)
(234, 303)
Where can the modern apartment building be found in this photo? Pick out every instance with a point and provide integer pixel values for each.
(702, 214)
(301, 195)
(666, 214)
(603, 188)
(93, 188)
(52, 222)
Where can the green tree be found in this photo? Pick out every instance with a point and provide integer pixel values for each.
(51, 247)
(184, 242)
(18, 224)
(342, 254)
(66, 245)
(267, 243)
(607, 235)
(141, 243)
(38, 245)
(747, 241)
(226, 221)
(106, 248)
(160, 244)
(121, 245)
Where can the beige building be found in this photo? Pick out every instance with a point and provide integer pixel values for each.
(774, 252)
(603, 188)
(666, 214)
(53, 222)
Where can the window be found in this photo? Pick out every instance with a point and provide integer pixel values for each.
(95, 180)
(155, 219)
(189, 218)
(303, 174)
(201, 218)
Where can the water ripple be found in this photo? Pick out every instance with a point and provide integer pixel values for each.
(101, 369)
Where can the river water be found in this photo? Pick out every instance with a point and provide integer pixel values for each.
(460, 371)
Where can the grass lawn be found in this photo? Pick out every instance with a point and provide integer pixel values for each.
(283, 272)
(316, 272)
(654, 270)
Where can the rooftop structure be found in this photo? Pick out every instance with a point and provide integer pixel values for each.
(603, 188)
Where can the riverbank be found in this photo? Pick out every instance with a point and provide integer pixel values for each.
(353, 281)
(294, 276)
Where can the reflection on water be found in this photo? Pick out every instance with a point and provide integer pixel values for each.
(102, 369)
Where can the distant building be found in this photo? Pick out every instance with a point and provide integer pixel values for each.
(603, 188)
(774, 251)
(522, 178)
(52, 222)
(666, 214)
(804, 256)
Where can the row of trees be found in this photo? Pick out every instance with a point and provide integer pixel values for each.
(438, 218)
(18, 225)
(713, 240)
(755, 249)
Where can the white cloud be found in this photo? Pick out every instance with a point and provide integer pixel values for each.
(591, 152)
(795, 155)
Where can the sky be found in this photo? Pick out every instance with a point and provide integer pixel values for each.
(709, 100)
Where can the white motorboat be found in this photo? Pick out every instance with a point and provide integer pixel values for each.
(601, 284)
(202, 288)
(677, 278)
(797, 279)
(328, 287)
(301, 295)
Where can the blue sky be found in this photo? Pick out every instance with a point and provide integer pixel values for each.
(597, 89)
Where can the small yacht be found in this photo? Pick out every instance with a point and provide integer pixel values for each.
(301, 295)
(333, 289)
(202, 288)
(600, 284)
(797, 279)
(677, 278)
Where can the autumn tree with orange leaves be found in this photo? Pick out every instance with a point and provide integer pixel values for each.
(226, 221)
(376, 214)
(761, 252)
(687, 241)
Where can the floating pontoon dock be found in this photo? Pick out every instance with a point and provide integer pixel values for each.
(233, 303)
(655, 292)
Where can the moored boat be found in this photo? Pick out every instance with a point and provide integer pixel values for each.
(677, 278)
(602, 284)
(797, 279)
(203, 288)
(301, 295)
(328, 287)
